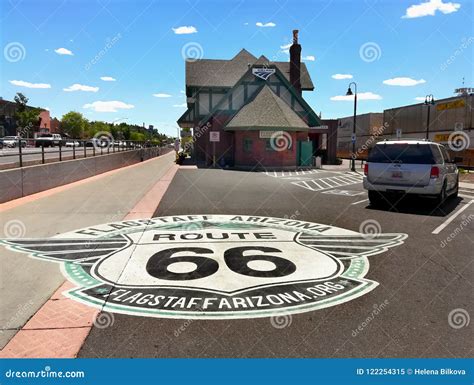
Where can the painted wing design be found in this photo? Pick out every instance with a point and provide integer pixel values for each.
(351, 246)
(83, 251)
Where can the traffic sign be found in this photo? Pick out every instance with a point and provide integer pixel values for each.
(214, 136)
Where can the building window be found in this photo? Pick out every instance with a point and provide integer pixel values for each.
(268, 145)
(247, 145)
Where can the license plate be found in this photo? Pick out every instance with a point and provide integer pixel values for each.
(397, 174)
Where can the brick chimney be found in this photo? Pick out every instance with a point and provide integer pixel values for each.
(295, 63)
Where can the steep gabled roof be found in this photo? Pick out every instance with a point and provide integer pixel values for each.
(266, 111)
(225, 73)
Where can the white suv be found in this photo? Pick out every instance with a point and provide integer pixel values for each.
(399, 167)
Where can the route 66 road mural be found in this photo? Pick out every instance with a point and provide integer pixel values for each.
(212, 266)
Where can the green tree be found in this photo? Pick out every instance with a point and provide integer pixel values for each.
(26, 117)
(74, 124)
(137, 136)
(21, 101)
(96, 127)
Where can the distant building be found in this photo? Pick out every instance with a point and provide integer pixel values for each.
(249, 112)
(366, 126)
(446, 116)
(9, 125)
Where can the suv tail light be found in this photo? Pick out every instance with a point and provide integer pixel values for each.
(366, 169)
(434, 172)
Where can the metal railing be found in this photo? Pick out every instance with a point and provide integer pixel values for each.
(26, 152)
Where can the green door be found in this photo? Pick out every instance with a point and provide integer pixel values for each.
(304, 153)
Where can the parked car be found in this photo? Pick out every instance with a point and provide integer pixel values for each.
(72, 143)
(48, 140)
(400, 167)
(12, 141)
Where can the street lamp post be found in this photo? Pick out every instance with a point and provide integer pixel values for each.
(350, 93)
(429, 101)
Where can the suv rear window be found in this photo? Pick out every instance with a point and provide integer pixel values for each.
(46, 136)
(401, 152)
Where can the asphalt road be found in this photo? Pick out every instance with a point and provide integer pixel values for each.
(421, 282)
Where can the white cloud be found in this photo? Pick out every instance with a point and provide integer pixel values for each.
(403, 82)
(265, 25)
(420, 98)
(63, 51)
(184, 30)
(109, 106)
(342, 76)
(80, 87)
(360, 96)
(161, 95)
(308, 58)
(429, 8)
(180, 105)
(108, 79)
(182, 92)
(21, 83)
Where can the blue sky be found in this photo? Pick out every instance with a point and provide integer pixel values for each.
(56, 45)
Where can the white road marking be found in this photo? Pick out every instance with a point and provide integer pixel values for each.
(451, 218)
(356, 203)
(281, 174)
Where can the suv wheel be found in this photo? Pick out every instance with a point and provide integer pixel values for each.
(441, 197)
(456, 190)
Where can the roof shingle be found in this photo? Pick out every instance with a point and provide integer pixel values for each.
(266, 111)
(225, 73)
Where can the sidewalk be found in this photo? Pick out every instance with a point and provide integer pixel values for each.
(28, 283)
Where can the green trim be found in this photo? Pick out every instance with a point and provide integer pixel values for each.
(313, 119)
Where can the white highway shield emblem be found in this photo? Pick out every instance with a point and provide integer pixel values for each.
(212, 266)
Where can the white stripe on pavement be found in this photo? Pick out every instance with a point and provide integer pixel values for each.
(451, 218)
(356, 203)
